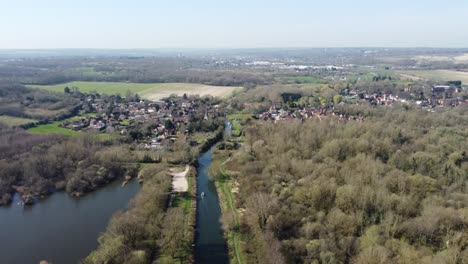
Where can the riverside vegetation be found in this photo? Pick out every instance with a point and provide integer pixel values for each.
(159, 224)
(358, 163)
(392, 189)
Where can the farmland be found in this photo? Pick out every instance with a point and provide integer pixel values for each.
(439, 75)
(150, 91)
(12, 121)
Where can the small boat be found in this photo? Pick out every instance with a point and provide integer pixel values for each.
(203, 195)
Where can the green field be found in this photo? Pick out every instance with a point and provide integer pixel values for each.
(224, 186)
(12, 121)
(202, 137)
(236, 123)
(307, 79)
(53, 128)
(150, 91)
(439, 75)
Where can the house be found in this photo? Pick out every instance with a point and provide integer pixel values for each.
(99, 125)
(77, 126)
(186, 104)
(277, 105)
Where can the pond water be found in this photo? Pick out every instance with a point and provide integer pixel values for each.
(59, 229)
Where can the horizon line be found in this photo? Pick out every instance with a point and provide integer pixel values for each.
(243, 48)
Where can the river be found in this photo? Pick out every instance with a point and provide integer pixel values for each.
(210, 245)
(60, 229)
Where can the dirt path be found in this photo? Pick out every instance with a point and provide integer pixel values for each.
(179, 182)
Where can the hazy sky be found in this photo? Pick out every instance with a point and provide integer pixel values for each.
(232, 24)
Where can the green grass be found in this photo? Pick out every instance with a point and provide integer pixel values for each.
(101, 87)
(13, 121)
(236, 128)
(226, 197)
(151, 91)
(307, 79)
(236, 123)
(238, 116)
(53, 128)
(124, 122)
(202, 137)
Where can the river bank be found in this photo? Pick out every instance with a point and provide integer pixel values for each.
(160, 223)
(147, 230)
(227, 187)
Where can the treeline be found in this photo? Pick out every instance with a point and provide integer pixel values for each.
(392, 189)
(150, 229)
(158, 226)
(120, 69)
(38, 165)
(133, 236)
(19, 101)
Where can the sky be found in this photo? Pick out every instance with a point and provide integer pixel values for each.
(151, 24)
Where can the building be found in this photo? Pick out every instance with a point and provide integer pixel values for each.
(442, 91)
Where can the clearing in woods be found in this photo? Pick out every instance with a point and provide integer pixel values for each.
(150, 91)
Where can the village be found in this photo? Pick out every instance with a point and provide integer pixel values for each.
(439, 97)
(164, 120)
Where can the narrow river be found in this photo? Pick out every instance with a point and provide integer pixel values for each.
(59, 229)
(210, 245)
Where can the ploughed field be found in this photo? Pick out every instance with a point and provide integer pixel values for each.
(150, 91)
(439, 75)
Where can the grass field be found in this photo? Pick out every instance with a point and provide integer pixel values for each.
(202, 137)
(53, 128)
(236, 123)
(439, 75)
(12, 121)
(307, 79)
(224, 187)
(150, 91)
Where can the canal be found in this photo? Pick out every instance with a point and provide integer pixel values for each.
(210, 245)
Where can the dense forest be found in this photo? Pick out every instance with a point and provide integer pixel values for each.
(391, 189)
(36, 165)
(55, 70)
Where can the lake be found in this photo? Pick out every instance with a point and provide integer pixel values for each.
(60, 229)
